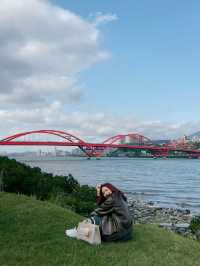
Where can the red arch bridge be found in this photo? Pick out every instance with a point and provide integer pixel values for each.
(129, 141)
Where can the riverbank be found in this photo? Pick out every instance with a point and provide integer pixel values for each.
(148, 212)
(173, 219)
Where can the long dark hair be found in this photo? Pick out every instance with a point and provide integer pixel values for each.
(101, 198)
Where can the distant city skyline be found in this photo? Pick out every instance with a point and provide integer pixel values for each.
(100, 68)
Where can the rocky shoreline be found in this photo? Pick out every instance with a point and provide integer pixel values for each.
(173, 219)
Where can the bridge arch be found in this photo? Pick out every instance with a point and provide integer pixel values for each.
(62, 134)
(68, 137)
(139, 139)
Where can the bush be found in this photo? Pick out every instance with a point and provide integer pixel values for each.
(195, 224)
(64, 190)
(82, 200)
(85, 199)
(85, 193)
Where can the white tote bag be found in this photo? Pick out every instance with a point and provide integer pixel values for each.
(89, 233)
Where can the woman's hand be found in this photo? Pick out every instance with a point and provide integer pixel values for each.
(98, 188)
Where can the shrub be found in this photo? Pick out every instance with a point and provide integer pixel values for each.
(82, 200)
(85, 199)
(63, 190)
(195, 224)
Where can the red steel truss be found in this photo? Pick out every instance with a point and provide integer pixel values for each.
(135, 141)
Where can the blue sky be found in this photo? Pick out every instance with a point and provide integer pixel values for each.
(154, 70)
(100, 68)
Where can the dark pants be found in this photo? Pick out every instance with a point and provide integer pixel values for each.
(118, 236)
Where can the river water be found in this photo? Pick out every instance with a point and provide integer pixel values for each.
(166, 182)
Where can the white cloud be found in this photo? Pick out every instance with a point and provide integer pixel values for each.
(88, 126)
(100, 18)
(42, 49)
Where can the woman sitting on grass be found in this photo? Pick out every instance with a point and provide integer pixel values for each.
(112, 215)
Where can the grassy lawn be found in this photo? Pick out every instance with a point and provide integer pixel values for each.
(32, 233)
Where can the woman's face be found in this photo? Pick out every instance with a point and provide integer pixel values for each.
(106, 192)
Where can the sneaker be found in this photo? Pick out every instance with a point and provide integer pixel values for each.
(71, 232)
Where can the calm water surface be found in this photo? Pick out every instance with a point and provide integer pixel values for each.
(171, 182)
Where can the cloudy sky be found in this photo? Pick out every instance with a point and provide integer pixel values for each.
(99, 68)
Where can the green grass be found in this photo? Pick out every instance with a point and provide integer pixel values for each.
(32, 233)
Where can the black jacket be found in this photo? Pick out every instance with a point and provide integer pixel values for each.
(116, 221)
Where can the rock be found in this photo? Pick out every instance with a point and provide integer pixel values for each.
(151, 203)
(180, 228)
(147, 212)
(186, 211)
(166, 225)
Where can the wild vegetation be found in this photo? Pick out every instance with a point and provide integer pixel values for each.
(19, 178)
(195, 226)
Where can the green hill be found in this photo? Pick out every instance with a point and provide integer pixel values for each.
(32, 233)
